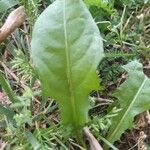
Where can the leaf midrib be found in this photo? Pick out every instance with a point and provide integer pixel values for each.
(68, 68)
(130, 106)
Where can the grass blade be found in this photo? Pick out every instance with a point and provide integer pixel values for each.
(7, 88)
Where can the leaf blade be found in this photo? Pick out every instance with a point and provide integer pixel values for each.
(133, 97)
(7, 88)
(70, 49)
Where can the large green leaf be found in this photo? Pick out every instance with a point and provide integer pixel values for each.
(134, 98)
(66, 49)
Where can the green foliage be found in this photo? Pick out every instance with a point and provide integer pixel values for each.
(103, 123)
(103, 4)
(66, 59)
(110, 70)
(19, 120)
(133, 96)
(32, 121)
(23, 117)
(101, 10)
(22, 65)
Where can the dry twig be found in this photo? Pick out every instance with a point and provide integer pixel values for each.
(14, 20)
(94, 144)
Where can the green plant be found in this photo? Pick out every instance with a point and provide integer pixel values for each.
(66, 52)
(31, 120)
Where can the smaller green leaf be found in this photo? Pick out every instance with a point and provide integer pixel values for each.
(7, 112)
(35, 144)
(134, 98)
(7, 88)
(6, 4)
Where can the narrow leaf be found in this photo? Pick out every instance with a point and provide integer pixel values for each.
(66, 49)
(7, 88)
(108, 143)
(134, 98)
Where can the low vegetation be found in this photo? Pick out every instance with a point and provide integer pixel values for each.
(74, 75)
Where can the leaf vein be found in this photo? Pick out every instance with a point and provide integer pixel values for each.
(68, 68)
(130, 106)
